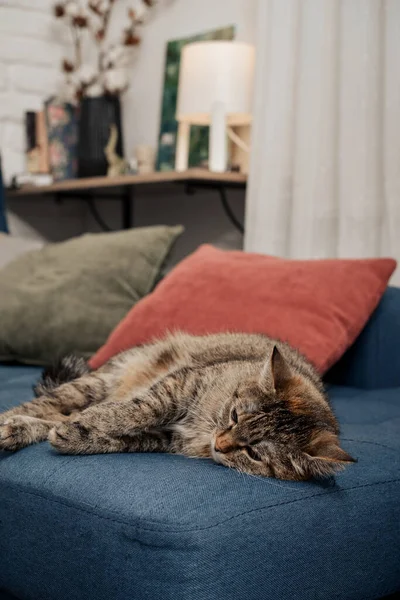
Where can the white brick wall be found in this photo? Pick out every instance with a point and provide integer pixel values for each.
(25, 21)
(31, 47)
(25, 50)
(31, 4)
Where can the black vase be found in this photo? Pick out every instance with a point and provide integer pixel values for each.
(95, 120)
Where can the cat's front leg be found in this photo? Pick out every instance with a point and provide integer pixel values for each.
(74, 439)
(111, 426)
(31, 422)
(65, 399)
(19, 431)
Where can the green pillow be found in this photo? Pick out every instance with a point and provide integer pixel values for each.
(68, 297)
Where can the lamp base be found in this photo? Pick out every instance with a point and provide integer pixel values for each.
(182, 147)
(218, 151)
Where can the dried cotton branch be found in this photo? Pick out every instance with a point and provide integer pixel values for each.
(110, 76)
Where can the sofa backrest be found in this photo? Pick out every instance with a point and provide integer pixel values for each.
(373, 361)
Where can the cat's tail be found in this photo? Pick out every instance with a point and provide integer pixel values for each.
(63, 371)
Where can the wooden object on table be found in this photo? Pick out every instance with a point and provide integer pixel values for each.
(240, 157)
(116, 164)
(43, 142)
(37, 151)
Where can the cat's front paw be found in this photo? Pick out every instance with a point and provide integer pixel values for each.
(70, 438)
(18, 432)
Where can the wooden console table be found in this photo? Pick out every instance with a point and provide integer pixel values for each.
(124, 187)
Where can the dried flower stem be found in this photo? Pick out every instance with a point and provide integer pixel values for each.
(104, 28)
(111, 71)
(76, 37)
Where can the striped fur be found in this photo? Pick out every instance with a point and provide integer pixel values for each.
(243, 400)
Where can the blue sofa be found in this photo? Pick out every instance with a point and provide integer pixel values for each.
(142, 526)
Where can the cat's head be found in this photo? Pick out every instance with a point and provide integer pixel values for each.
(279, 424)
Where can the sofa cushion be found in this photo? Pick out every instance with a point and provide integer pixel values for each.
(161, 526)
(11, 247)
(318, 306)
(374, 359)
(66, 298)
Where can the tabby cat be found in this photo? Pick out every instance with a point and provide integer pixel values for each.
(246, 401)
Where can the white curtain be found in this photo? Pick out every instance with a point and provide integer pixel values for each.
(325, 162)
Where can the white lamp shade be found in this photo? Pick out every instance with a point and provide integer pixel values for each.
(216, 72)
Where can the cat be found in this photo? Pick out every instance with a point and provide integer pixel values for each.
(244, 400)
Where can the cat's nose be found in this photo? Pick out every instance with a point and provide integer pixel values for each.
(224, 443)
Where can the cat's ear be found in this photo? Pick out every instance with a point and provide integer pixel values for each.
(276, 373)
(324, 456)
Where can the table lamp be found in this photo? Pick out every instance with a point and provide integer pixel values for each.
(215, 89)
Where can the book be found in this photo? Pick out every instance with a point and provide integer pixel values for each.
(62, 133)
(43, 144)
(37, 150)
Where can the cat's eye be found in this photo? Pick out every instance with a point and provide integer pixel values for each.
(234, 416)
(252, 453)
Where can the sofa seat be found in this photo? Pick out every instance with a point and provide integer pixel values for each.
(154, 526)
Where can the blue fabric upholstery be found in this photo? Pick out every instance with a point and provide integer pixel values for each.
(141, 526)
(6, 596)
(3, 221)
(374, 359)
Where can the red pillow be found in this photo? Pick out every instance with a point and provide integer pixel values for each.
(318, 306)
